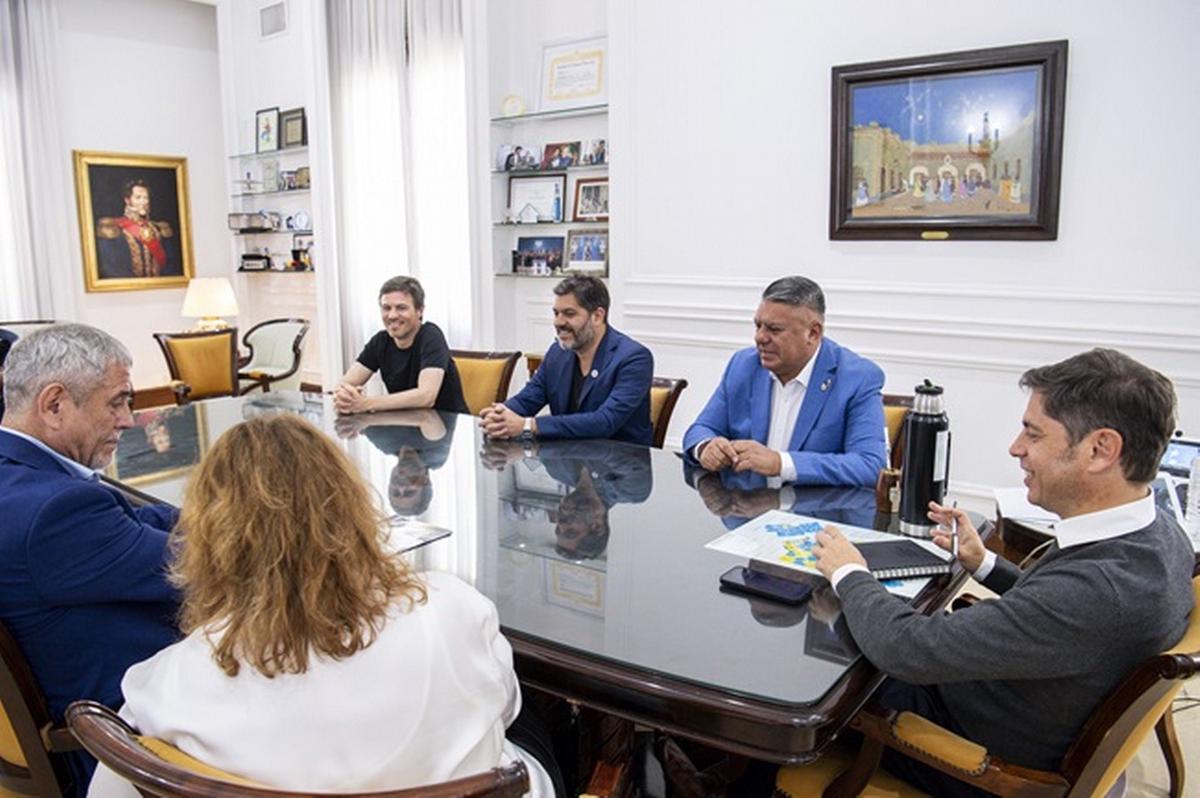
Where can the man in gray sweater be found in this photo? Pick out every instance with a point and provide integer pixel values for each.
(1021, 674)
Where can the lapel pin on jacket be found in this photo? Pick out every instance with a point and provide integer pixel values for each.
(825, 385)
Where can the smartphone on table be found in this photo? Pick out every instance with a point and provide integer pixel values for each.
(750, 582)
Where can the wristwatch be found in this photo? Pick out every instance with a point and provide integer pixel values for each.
(527, 432)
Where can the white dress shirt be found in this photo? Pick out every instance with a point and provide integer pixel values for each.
(1075, 531)
(785, 411)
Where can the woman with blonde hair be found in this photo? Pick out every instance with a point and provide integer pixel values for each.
(315, 659)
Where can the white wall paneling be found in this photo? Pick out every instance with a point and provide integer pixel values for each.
(720, 182)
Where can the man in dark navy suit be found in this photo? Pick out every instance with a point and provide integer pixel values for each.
(595, 379)
(83, 585)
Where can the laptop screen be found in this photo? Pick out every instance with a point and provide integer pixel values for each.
(1177, 460)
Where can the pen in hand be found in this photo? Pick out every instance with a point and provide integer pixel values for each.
(954, 529)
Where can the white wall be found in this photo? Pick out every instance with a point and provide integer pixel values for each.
(140, 76)
(720, 182)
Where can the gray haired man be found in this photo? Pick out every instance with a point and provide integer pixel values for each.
(83, 585)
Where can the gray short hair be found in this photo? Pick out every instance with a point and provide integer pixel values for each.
(75, 355)
(797, 290)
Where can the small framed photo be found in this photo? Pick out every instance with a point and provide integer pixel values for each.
(293, 128)
(591, 199)
(574, 74)
(543, 194)
(266, 130)
(560, 155)
(515, 157)
(593, 152)
(543, 255)
(587, 251)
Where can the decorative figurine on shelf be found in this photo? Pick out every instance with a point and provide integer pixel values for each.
(527, 214)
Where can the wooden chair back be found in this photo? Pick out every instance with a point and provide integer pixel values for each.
(205, 360)
(275, 347)
(159, 769)
(664, 393)
(27, 734)
(895, 410)
(485, 376)
(533, 361)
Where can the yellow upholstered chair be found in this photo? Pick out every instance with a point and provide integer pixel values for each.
(275, 348)
(664, 393)
(895, 410)
(1104, 748)
(206, 361)
(485, 376)
(532, 362)
(27, 735)
(159, 769)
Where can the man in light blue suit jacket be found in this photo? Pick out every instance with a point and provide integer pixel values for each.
(595, 379)
(83, 585)
(796, 406)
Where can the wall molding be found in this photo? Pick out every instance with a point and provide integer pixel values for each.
(912, 357)
(965, 291)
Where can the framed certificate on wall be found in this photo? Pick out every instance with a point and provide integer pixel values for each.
(574, 74)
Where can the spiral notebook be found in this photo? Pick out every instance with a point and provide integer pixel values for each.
(901, 559)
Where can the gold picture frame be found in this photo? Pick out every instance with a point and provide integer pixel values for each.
(163, 443)
(134, 221)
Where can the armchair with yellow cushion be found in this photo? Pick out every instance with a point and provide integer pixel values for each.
(28, 737)
(485, 376)
(664, 393)
(206, 361)
(1102, 751)
(159, 769)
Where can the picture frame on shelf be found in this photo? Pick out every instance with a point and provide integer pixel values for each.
(591, 200)
(134, 221)
(518, 157)
(541, 255)
(574, 74)
(587, 252)
(560, 155)
(593, 152)
(266, 130)
(303, 177)
(963, 145)
(293, 128)
(270, 174)
(546, 193)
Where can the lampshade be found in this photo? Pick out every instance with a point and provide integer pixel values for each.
(208, 299)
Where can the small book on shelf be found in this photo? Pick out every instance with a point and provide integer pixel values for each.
(901, 559)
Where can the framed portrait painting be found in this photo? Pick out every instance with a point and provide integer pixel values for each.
(134, 221)
(964, 145)
(266, 130)
(162, 443)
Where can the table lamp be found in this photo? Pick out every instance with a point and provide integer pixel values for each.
(208, 299)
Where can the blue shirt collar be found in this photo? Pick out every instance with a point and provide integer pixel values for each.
(72, 466)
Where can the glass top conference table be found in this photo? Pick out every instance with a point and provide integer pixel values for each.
(594, 553)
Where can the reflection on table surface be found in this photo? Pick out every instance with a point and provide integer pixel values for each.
(595, 547)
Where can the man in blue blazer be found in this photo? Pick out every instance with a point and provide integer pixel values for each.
(595, 379)
(797, 406)
(83, 586)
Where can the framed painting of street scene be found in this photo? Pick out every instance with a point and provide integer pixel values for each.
(134, 222)
(962, 145)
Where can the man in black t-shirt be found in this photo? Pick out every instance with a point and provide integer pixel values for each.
(410, 355)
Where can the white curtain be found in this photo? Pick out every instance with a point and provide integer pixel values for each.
(398, 105)
(36, 231)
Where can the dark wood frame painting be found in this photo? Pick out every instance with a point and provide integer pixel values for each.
(915, 154)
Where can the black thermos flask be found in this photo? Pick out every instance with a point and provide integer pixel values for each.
(926, 460)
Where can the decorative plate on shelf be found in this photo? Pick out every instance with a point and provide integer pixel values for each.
(512, 105)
